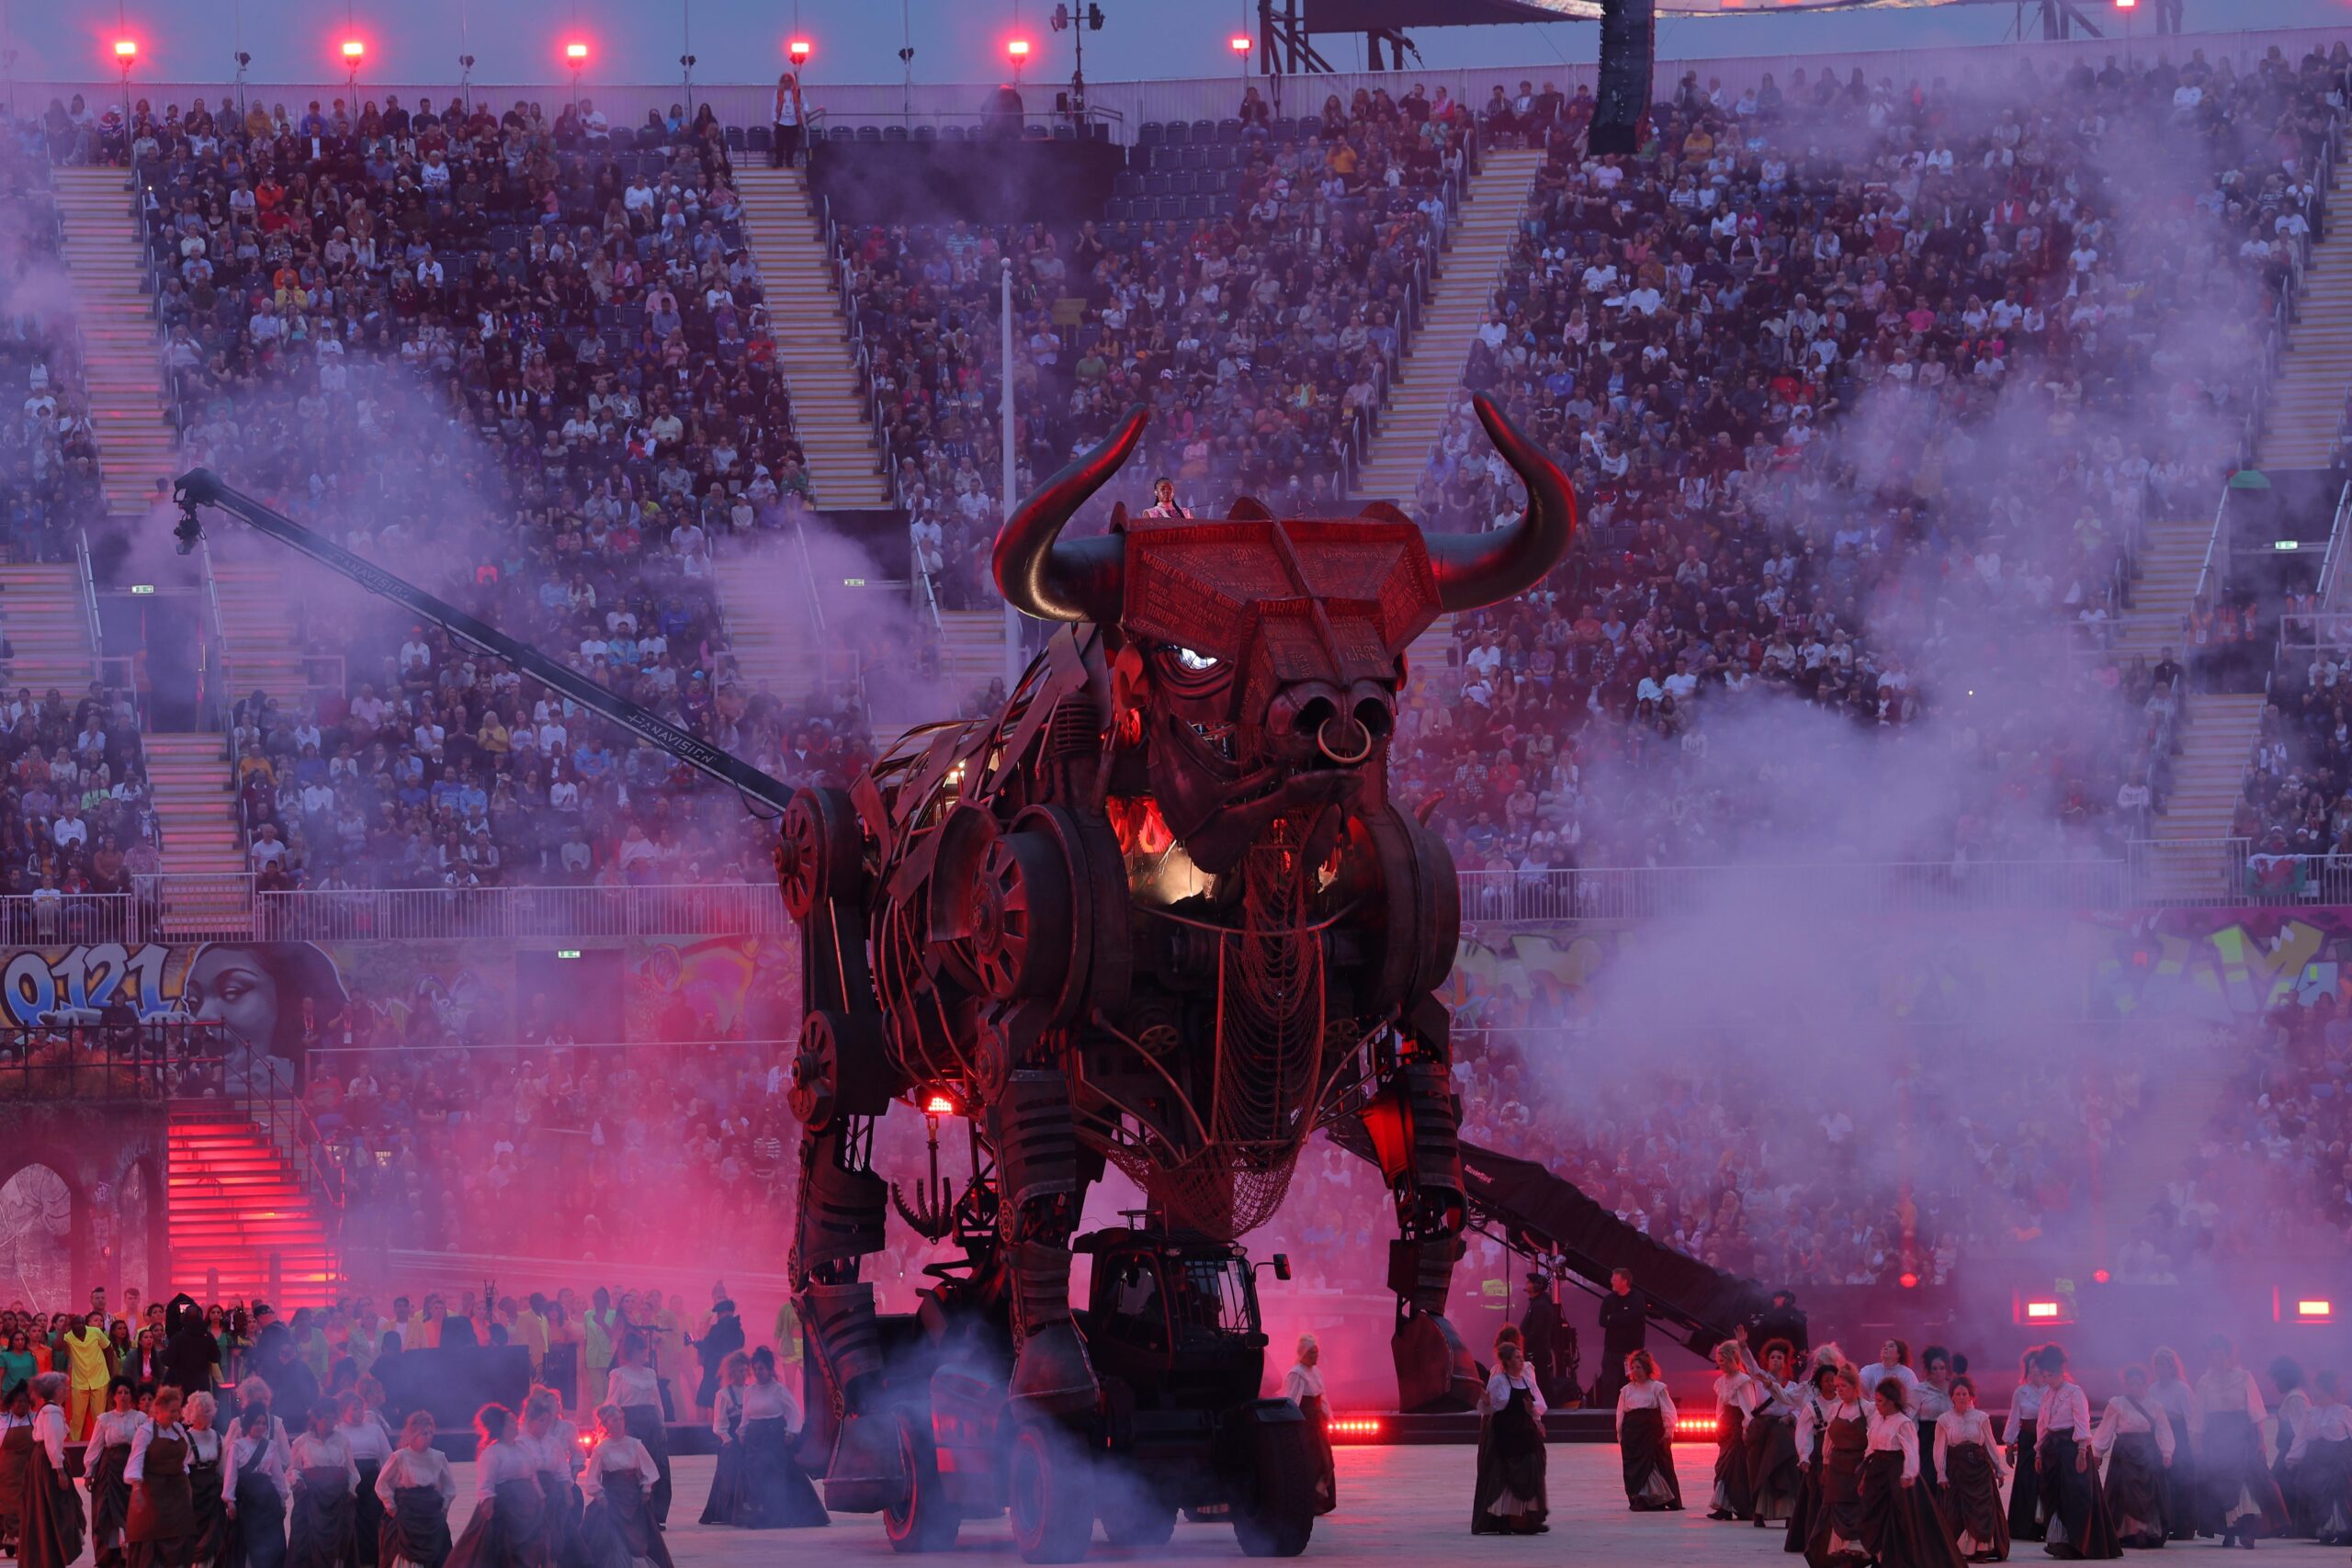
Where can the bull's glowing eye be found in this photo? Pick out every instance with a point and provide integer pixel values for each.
(1192, 660)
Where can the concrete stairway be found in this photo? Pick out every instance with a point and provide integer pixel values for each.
(136, 445)
(1432, 371)
(768, 622)
(192, 782)
(242, 1222)
(2308, 400)
(811, 339)
(2210, 769)
(971, 651)
(257, 631)
(42, 613)
(2165, 589)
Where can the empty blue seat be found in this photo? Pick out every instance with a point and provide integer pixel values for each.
(926, 132)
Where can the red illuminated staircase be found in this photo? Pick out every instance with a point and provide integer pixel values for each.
(238, 1206)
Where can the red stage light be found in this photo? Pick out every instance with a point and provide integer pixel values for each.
(1352, 1427)
(1694, 1427)
(939, 1105)
(1018, 49)
(1907, 1279)
(576, 52)
(354, 49)
(1240, 43)
(2042, 1312)
(799, 49)
(125, 48)
(2314, 1309)
(2127, 4)
(2100, 1275)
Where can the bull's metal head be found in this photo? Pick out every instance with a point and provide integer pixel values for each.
(1261, 657)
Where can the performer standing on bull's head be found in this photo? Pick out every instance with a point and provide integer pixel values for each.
(1201, 757)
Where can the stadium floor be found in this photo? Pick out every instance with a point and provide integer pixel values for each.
(1397, 1505)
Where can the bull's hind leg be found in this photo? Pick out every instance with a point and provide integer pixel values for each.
(1413, 1120)
(1040, 1168)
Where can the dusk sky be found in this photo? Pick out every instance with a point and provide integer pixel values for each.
(858, 41)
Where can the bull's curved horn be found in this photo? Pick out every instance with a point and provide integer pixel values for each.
(1474, 569)
(1080, 580)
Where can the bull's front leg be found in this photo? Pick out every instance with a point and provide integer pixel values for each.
(1036, 1134)
(1414, 1122)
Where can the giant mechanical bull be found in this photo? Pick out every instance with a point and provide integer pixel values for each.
(1159, 913)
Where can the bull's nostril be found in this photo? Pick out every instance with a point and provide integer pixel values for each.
(1318, 713)
(1376, 718)
(1345, 740)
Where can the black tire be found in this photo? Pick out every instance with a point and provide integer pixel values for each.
(925, 1520)
(1139, 1521)
(1274, 1517)
(1050, 1489)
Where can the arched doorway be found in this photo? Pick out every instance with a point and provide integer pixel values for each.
(36, 1231)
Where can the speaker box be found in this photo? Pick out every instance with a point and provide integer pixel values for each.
(1628, 56)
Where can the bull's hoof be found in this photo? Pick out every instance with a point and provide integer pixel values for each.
(1053, 1375)
(868, 1472)
(1434, 1369)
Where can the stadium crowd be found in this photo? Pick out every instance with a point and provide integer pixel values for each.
(533, 371)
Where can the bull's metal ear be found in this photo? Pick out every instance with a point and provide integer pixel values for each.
(1249, 509)
(1080, 580)
(1381, 511)
(1475, 570)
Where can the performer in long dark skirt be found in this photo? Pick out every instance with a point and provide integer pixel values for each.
(618, 1530)
(1968, 1456)
(49, 1529)
(2293, 1409)
(2319, 1465)
(2237, 1498)
(103, 1464)
(776, 1492)
(2168, 1391)
(1900, 1525)
(255, 1482)
(2136, 1441)
(727, 1425)
(553, 1444)
(2075, 1508)
(632, 1385)
(414, 1490)
(2022, 1435)
(1515, 1444)
(207, 1469)
(1811, 1424)
(16, 1460)
(508, 1529)
(1645, 1438)
(326, 1486)
(160, 1528)
(1836, 1536)
(1736, 1394)
(1771, 1447)
(1488, 1484)
(1303, 1386)
(362, 1431)
(1930, 1401)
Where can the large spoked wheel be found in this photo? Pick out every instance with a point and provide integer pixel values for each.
(1048, 1485)
(1275, 1515)
(820, 851)
(924, 1520)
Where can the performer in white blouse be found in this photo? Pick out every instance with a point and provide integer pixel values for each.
(1646, 1418)
(633, 1385)
(414, 1487)
(618, 1482)
(103, 1464)
(2168, 1391)
(2319, 1462)
(1899, 1517)
(2136, 1441)
(2239, 1500)
(2077, 1519)
(1969, 1463)
(1738, 1398)
(1303, 1386)
(2022, 1434)
(1893, 1361)
(252, 1480)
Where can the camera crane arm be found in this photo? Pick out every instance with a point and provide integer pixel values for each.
(200, 488)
